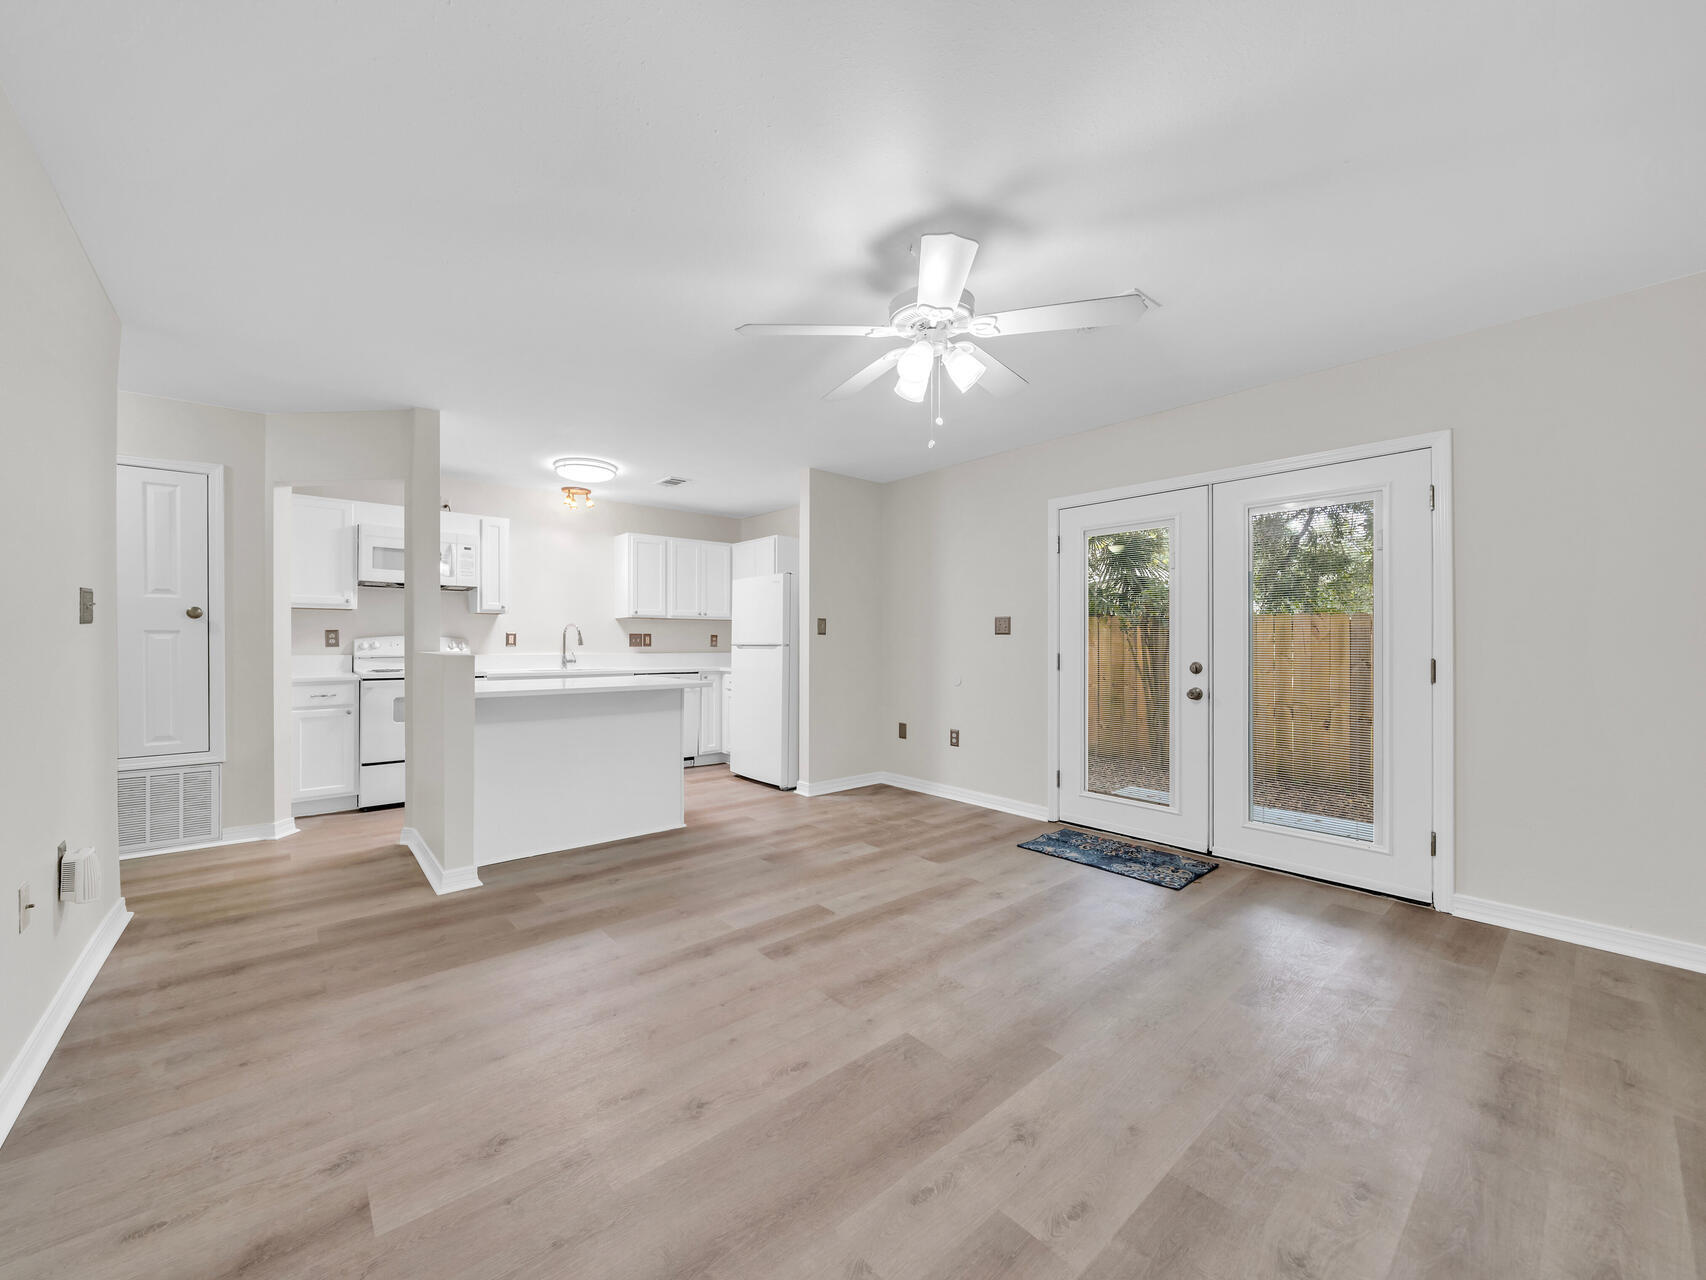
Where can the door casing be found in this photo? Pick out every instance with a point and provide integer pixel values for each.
(1438, 443)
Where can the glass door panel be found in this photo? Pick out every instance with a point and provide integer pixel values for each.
(1133, 606)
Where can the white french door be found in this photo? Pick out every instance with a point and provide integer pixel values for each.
(1322, 720)
(1244, 668)
(162, 613)
(1134, 638)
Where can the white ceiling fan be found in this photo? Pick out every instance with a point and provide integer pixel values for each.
(937, 317)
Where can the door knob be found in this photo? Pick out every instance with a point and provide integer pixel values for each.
(194, 611)
(1196, 668)
(1195, 695)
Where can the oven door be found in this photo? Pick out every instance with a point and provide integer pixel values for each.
(381, 556)
(382, 730)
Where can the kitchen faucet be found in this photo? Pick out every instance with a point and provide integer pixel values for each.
(568, 658)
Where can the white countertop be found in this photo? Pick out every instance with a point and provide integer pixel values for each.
(512, 686)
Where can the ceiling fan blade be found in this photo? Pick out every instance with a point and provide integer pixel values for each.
(866, 376)
(997, 378)
(944, 264)
(1091, 313)
(820, 330)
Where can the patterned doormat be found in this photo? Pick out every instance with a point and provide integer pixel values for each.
(1123, 857)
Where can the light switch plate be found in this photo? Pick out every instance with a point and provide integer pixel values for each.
(331, 637)
(633, 639)
(953, 737)
(713, 640)
(903, 728)
(1004, 626)
(85, 605)
(646, 640)
(823, 626)
(509, 639)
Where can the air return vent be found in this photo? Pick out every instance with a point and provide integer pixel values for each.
(159, 807)
(672, 482)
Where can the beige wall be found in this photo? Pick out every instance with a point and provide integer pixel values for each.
(1580, 441)
(59, 343)
(785, 522)
(173, 431)
(842, 672)
(563, 565)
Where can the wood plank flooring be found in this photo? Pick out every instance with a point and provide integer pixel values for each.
(860, 1035)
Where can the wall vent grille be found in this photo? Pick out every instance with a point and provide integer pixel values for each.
(159, 807)
(672, 482)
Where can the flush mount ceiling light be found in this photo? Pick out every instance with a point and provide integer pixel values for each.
(585, 470)
(573, 491)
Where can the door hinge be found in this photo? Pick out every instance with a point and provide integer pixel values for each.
(1057, 544)
(1057, 662)
(1433, 670)
(1057, 777)
(1430, 497)
(1433, 844)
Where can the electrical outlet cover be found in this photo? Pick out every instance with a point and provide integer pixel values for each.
(953, 737)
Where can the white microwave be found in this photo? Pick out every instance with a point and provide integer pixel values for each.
(381, 559)
(381, 556)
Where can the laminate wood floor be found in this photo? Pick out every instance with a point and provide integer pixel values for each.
(855, 1036)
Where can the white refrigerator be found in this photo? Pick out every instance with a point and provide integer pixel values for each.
(764, 729)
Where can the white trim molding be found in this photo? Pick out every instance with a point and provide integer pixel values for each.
(24, 1070)
(1586, 933)
(232, 835)
(923, 786)
(441, 879)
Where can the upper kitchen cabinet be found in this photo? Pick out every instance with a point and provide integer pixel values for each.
(761, 557)
(686, 578)
(659, 577)
(642, 575)
(491, 595)
(322, 553)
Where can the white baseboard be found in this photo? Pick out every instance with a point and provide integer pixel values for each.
(982, 799)
(25, 1069)
(232, 835)
(441, 880)
(1605, 937)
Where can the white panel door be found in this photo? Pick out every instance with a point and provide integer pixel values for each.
(163, 644)
(1134, 728)
(718, 567)
(686, 578)
(1323, 597)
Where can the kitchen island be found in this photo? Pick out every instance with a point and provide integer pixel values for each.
(566, 761)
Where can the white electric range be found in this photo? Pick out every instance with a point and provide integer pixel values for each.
(378, 663)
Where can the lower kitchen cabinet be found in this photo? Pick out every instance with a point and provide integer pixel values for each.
(324, 762)
(711, 716)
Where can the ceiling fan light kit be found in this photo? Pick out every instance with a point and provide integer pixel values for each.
(936, 318)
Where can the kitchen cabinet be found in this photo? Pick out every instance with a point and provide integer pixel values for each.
(728, 690)
(686, 578)
(324, 758)
(711, 716)
(491, 595)
(642, 575)
(692, 701)
(717, 574)
(761, 557)
(322, 552)
(659, 577)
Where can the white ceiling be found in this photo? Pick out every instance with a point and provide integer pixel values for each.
(547, 219)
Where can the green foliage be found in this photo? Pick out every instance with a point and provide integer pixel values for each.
(1317, 559)
(1129, 575)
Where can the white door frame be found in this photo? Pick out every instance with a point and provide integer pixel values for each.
(1444, 743)
(215, 753)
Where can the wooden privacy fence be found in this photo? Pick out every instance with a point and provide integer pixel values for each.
(1312, 694)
